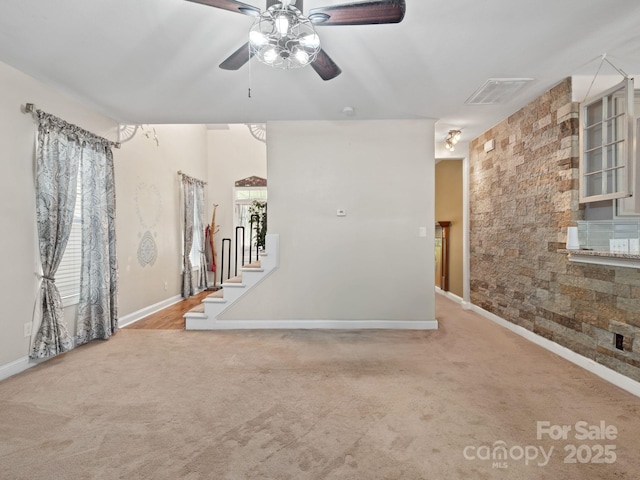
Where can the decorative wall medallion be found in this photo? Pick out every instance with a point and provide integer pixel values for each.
(258, 131)
(147, 250)
(148, 205)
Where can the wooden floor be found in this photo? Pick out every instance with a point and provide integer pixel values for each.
(170, 318)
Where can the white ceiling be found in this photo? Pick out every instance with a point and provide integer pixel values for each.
(156, 61)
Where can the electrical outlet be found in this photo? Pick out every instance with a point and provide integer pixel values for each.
(27, 329)
(619, 245)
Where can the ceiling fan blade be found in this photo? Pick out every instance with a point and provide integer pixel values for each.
(237, 58)
(359, 13)
(325, 67)
(231, 5)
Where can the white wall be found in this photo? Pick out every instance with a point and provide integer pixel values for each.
(233, 155)
(18, 282)
(370, 264)
(148, 200)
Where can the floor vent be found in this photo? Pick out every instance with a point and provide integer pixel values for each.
(497, 90)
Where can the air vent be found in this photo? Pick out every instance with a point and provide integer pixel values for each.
(497, 90)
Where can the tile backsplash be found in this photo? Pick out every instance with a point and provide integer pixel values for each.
(602, 235)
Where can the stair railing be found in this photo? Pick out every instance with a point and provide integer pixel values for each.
(226, 241)
(254, 220)
(239, 230)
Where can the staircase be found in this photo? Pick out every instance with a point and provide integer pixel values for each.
(205, 316)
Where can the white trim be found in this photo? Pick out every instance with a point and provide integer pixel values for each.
(450, 296)
(592, 366)
(15, 367)
(146, 311)
(466, 265)
(314, 324)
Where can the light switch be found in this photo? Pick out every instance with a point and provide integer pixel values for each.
(422, 231)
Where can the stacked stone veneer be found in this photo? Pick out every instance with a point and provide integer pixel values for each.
(523, 195)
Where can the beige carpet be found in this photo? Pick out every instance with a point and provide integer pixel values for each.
(297, 405)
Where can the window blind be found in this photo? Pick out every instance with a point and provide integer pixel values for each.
(68, 274)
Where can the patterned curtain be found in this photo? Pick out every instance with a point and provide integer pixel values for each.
(202, 278)
(97, 308)
(57, 159)
(188, 189)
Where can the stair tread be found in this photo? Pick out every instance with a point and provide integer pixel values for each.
(236, 279)
(197, 309)
(216, 294)
(254, 270)
(255, 264)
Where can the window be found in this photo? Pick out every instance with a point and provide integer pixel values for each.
(607, 146)
(244, 197)
(68, 273)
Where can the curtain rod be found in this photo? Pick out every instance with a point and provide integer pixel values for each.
(31, 108)
(193, 179)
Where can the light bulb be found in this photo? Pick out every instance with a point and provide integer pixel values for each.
(270, 55)
(312, 41)
(257, 38)
(449, 145)
(282, 25)
(302, 57)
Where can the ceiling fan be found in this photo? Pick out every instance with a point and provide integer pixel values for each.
(274, 46)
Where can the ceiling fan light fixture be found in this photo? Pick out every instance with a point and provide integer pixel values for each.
(282, 37)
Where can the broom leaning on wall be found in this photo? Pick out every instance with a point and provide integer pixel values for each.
(210, 250)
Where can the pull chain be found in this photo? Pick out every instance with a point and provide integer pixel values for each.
(249, 89)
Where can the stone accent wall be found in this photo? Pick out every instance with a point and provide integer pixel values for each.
(523, 196)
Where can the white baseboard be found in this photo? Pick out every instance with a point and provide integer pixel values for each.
(314, 324)
(146, 311)
(24, 363)
(592, 366)
(15, 367)
(450, 296)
